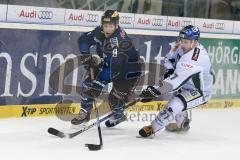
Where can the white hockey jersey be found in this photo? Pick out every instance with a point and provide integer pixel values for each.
(192, 70)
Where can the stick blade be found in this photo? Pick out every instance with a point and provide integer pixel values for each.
(93, 147)
(56, 132)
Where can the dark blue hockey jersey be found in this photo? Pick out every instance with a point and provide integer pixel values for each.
(121, 59)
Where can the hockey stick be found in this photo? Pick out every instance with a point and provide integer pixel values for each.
(53, 131)
(94, 147)
(61, 134)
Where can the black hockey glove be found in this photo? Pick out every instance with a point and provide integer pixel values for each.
(168, 73)
(92, 61)
(149, 94)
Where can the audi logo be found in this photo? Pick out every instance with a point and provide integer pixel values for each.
(125, 20)
(92, 17)
(157, 22)
(186, 23)
(220, 26)
(45, 14)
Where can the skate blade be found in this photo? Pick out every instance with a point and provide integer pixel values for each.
(150, 137)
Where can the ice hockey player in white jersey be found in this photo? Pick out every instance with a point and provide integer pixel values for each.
(189, 75)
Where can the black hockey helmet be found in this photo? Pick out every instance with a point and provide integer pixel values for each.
(110, 16)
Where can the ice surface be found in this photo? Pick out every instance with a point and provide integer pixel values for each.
(214, 135)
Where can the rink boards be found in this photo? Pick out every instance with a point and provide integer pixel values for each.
(29, 53)
(38, 110)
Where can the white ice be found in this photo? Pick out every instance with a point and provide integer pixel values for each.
(214, 135)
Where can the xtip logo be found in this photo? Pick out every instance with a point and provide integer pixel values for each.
(26, 111)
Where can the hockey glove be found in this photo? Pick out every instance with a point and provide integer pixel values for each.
(149, 94)
(168, 73)
(91, 61)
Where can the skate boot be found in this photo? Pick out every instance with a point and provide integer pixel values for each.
(146, 131)
(173, 127)
(115, 120)
(82, 117)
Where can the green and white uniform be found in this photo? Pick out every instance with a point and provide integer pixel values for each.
(193, 78)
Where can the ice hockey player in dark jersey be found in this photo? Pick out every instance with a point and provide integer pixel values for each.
(115, 51)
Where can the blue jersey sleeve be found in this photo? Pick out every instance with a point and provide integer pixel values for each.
(87, 40)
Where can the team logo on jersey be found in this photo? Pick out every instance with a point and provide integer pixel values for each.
(114, 42)
(185, 65)
(125, 45)
(195, 54)
(110, 45)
